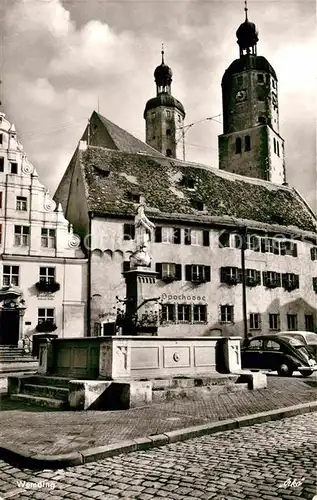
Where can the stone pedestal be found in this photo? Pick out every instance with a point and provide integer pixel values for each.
(45, 357)
(232, 354)
(142, 302)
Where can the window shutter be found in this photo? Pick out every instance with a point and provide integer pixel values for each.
(264, 277)
(177, 235)
(206, 238)
(276, 247)
(126, 266)
(278, 278)
(223, 274)
(224, 239)
(294, 249)
(158, 268)
(312, 253)
(258, 277)
(283, 248)
(255, 243)
(232, 314)
(239, 275)
(207, 273)
(158, 234)
(297, 280)
(237, 241)
(188, 272)
(188, 239)
(283, 279)
(263, 246)
(178, 271)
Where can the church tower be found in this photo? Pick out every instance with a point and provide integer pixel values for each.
(164, 116)
(251, 144)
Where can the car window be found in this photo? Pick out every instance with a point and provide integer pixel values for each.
(255, 344)
(271, 345)
(311, 338)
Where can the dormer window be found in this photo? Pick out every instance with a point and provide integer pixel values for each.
(14, 167)
(198, 205)
(1, 139)
(188, 182)
(134, 197)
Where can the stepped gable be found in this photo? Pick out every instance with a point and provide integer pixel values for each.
(110, 175)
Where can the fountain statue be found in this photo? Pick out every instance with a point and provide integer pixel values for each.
(143, 231)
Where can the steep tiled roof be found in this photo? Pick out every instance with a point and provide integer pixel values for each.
(109, 176)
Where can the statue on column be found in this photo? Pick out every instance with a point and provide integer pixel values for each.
(143, 230)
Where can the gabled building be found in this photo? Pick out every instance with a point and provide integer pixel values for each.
(42, 269)
(235, 248)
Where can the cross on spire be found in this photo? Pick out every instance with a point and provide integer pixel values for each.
(162, 52)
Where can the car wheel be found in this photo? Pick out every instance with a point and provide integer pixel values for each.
(285, 370)
(306, 373)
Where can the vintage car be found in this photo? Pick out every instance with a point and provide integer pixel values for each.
(278, 353)
(307, 338)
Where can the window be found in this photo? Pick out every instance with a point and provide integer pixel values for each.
(277, 148)
(253, 243)
(21, 236)
(260, 78)
(133, 197)
(252, 277)
(274, 145)
(198, 205)
(290, 281)
(224, 239)
(274, 84)
(288, 248)
(197, 273)
(313, 253)
(168, 270)
(10, 276)
(45, 315)
(169, 152)
(238, 145)
(292, 321)
(315, 284)
(188, 182)
(261, 120)
(128, 231)
(230, 275)
(271, 279)
(168, 132)
(255, 345)
(1, 139)
(21, 203)
(247, 143)
(1, 164)
(167, 235)
(196, 237)
(168, 313)
(153, 114)
(274, 321)
(199, 313)
(226, 314)
(309, 322)
(255, 321)
(183, 313)
(0, 234)
(179, 118)
(168, 113)
(240, 80)
(0, 199)
(271, 345)
(48, 238)
(14, 167)
(47, 274)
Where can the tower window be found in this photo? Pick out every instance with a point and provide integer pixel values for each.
(179, 118)
(153, 114)
(274, 84)
(168, 131)
(238, 145)
(168, 114)
(247, 143)
(240, 80)
(274, 144)
(1, 139)
(260, 78)
(278, 148)
(168, 152)
(14, 168)
(261, 120)
(1, 164)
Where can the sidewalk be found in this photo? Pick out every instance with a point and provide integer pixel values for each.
(38, 432)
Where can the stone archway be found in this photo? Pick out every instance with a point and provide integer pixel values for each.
(11, 314)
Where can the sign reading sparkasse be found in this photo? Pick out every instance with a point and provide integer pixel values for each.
(183, 297)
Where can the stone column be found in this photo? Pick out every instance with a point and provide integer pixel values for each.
(46, 357)
(142, 299)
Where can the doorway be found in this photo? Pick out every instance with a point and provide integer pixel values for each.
(9, 326)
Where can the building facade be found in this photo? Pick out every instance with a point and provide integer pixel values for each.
(43, 270)
(234, 248)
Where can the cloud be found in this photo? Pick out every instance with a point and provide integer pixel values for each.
(62, 58)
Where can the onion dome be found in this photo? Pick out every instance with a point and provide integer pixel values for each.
(163, 74)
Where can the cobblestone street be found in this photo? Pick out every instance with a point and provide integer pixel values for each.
(271, 461)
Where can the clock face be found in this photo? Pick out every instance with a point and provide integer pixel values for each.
(241, 95)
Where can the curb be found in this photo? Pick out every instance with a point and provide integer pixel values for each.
(37, 461)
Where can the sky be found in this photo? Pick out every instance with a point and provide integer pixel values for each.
(61, 59)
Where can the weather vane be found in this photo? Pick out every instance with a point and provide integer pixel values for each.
(246, 9)
(162, 52)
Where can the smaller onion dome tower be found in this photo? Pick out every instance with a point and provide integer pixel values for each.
(251, 143)
(164, 116)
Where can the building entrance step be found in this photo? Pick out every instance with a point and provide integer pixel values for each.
(39, 401)
(46, 391)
